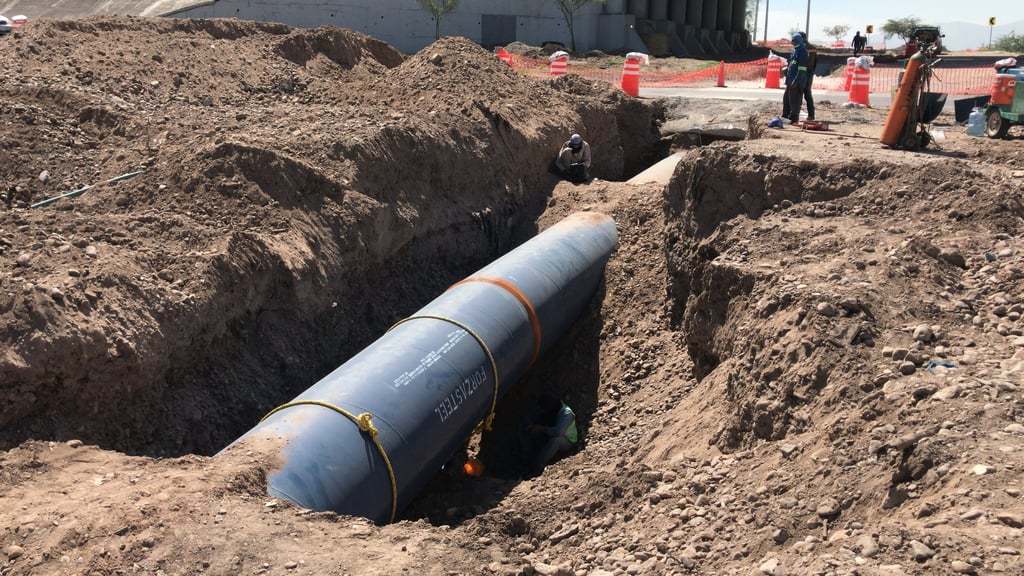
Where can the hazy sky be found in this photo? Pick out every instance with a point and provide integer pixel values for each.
(784, 15)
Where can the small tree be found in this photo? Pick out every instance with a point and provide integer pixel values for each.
(903, 27)
(568, 8)
(438, 8)
(1011, 42)
(837, 32)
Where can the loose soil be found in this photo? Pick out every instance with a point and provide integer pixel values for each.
(807, 356)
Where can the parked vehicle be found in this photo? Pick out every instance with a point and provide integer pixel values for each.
(1006, 105)
(926, 39)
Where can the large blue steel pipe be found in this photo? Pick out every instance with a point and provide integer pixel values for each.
(367, 437)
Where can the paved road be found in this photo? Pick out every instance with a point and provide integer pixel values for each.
(754, 92)
(877, 100)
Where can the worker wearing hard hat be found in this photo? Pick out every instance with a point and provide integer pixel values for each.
(574, 159)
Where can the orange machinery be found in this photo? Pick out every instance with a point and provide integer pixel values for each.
(913, 105)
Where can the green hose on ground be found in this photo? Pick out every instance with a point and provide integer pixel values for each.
(84, 189)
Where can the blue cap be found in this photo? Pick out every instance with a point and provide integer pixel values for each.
(797, 38)
(575, 139)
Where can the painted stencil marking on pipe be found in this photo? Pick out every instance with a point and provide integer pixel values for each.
(429, 359)
(466, 389)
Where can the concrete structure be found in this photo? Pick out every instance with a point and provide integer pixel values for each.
(657, 27)
(70, 9)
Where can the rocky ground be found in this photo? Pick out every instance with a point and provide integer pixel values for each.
(806, 357)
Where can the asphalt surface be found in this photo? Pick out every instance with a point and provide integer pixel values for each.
(877, 100)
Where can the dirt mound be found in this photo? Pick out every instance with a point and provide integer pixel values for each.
(805, 357)
(258, 205)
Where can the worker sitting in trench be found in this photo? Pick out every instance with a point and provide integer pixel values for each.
(548, 429)
(573, 160)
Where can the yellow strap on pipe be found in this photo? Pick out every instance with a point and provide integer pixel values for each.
(490, 357)
(365, 423)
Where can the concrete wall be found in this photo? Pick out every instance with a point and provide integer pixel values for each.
(409, 27)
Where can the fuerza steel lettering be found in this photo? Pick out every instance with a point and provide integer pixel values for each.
(466, 388)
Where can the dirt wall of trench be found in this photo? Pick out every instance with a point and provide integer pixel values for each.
(301, 191)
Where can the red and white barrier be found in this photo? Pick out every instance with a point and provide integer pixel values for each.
(860, 85)
(558, 63)
(631, 73)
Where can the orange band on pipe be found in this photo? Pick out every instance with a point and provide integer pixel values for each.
(513, 290)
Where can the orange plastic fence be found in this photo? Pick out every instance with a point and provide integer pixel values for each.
(884, 77)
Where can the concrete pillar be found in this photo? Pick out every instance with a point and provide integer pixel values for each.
(725, 15)
(709, 15)
(614, 7)
(677, 12)
(638, 8)
(658, 9)
(739, 16)
(694, 9)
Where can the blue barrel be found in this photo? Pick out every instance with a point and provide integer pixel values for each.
(367, 437)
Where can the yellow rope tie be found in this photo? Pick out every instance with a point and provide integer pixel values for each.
(365, 423)
(490, 357)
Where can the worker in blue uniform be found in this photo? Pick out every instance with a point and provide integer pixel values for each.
(796, 78)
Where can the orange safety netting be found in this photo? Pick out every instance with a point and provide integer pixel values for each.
(884, 77)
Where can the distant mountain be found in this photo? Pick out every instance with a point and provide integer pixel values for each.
(967, 36)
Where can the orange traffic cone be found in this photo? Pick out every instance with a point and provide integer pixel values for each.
(771, 79)
(631, 76)
(850, 63)
(504, 56)
(721, 75)
(860, 86)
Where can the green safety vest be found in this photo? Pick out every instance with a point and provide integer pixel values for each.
(571, 435)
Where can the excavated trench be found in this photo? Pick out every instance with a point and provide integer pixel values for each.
(291, 316)
(710, 187)
(732, 215)
(266, 358)
(289, 329)
(282, 309)
(248, 263)
(299, 289)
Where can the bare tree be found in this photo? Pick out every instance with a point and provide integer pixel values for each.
(568, 8)
(438, 8)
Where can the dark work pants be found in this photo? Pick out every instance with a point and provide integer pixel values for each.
(791, 104)
(538, 449)
(809, 99)
(576, 173)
